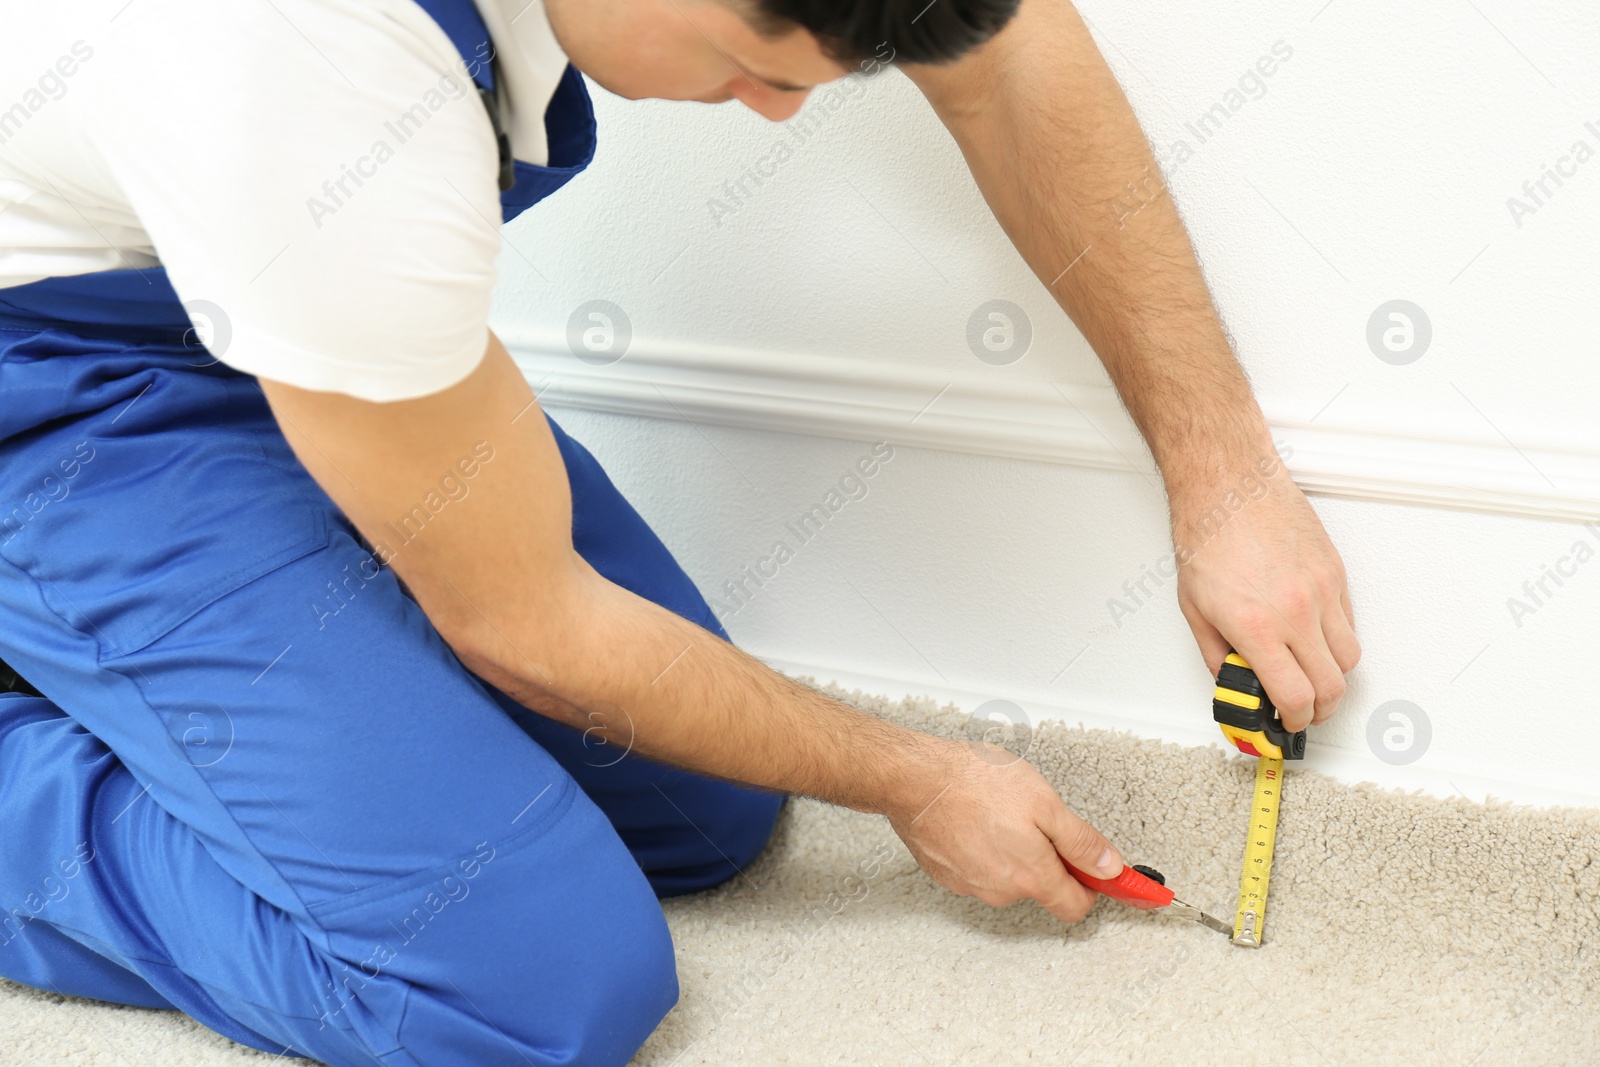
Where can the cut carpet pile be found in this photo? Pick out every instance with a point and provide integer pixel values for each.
(1401, 929)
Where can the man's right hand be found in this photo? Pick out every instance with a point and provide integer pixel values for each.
(996, 830)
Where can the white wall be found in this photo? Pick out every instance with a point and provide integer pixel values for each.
(776, 333)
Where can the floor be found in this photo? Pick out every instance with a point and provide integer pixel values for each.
(1401, 929)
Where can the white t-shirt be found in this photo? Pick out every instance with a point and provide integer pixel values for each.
(321, 171)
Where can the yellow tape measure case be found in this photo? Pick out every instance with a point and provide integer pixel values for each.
(1247, 717)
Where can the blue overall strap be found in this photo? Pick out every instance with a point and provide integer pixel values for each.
(569, 124)
(461, 22)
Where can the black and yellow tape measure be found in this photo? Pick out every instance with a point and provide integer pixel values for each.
(1245, 712)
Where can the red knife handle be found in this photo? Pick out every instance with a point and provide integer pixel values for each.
(1130, 887)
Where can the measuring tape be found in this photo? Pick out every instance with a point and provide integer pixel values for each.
(1248, 719)
(1252, 914)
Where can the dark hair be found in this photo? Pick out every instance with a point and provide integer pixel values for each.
(908, 31)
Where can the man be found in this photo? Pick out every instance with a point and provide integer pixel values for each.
(262, 780)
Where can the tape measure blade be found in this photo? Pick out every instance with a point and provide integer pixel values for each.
(1262, 835)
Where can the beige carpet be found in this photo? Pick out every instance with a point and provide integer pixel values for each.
(1402, 929)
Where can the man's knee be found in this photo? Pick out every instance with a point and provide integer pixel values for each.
(717, 845)
(756, 818)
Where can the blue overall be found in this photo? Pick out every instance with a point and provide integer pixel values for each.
(258, 787)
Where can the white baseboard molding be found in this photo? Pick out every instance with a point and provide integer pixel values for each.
(1352, 768)
(1467, 466)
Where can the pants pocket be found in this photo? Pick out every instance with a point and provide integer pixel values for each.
(131, 529)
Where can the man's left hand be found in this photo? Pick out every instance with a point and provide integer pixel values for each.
(1266, 581)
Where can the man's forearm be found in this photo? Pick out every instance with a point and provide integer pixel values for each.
(497, 574)
(1054, 147)
(632, 674)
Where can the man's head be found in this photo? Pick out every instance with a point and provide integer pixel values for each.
(765, 53)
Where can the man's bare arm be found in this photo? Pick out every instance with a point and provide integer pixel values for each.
(1054, 145)
(497, 575)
